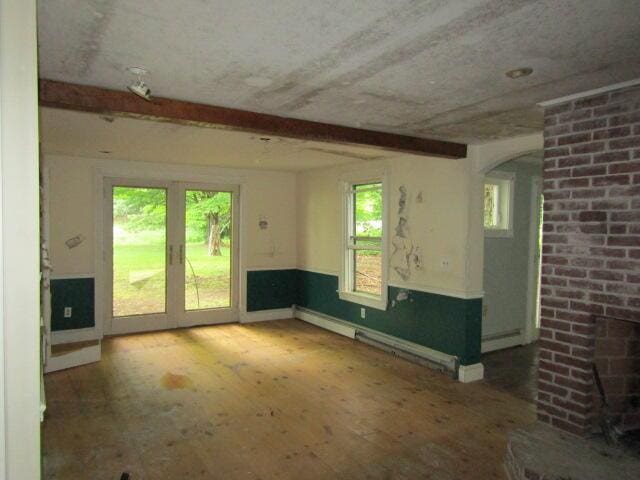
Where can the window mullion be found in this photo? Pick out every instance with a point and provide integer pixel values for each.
(377, 248)
(364, 265)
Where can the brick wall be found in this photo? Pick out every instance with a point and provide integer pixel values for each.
(591, 244)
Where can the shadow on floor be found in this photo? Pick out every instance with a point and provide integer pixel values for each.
(514, 370)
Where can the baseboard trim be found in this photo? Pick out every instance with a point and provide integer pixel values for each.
(471, 373)
(439, 360)
(75, 358)
(266, 315)
(59, 337)
(499, 342)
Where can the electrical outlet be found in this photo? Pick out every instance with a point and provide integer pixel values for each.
(445, 263)
(67, 312)
(363, 313)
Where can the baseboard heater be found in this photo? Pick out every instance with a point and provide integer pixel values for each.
(411, 351)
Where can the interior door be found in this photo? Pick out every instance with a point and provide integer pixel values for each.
(207, 254)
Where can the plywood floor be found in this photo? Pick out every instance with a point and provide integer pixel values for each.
(276, 400)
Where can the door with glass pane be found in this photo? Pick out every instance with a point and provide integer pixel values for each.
(137, 231)
(171, 255)
(207, 254)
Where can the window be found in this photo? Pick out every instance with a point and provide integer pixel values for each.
(363, 275)
(498, 199)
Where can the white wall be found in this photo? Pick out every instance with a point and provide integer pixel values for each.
(19, 258)
(263, 193)
(71, 204)
(438, 222)
(506, 261)
(446, 225)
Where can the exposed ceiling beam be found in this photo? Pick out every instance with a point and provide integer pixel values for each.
(70, 96)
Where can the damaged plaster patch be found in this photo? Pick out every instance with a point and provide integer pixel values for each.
(73, 242)
(402, 296)
(268, 246)
(407, 255)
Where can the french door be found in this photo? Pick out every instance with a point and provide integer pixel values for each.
(171, 254)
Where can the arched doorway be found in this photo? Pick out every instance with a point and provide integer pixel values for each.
(512, 219)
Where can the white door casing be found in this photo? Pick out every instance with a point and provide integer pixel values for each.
(175, 314)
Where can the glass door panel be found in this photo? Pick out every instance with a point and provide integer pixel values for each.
(208, 249)
(139, 277)
(170, 254)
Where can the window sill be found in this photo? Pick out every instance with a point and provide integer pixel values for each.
(498, 233)
(363, 299)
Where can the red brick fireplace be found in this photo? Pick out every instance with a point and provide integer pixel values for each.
(590, 299)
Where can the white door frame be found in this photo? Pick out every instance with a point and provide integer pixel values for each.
(20, 362)
(175, 315)
(532, 330)
(128, 169)
(527, 332)
(145, 322)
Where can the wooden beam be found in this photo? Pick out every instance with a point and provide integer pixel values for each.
(101, 100)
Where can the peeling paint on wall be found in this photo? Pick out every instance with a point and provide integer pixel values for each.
(73, 242)
(402, 296)
(406, 255)
(268, 246)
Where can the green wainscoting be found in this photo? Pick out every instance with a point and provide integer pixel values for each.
(271, 289)
(77, 293)
(447, 324)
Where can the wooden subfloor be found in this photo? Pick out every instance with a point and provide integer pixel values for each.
(275, 400)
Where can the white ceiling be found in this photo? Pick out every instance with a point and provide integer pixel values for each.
(95, 136)
(432, 68)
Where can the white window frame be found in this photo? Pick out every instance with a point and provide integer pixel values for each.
(505, 181)
(346, 273)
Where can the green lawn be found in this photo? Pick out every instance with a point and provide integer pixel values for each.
(139, 280)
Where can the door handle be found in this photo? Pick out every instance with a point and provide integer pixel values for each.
(181, 254)
(170, 254)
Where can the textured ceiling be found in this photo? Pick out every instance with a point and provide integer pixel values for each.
(426, 68)
(98, 136)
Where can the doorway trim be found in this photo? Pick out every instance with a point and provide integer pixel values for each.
(188, 318)
(136, 170)
(527, 333)
(145, 322)
(531, 331)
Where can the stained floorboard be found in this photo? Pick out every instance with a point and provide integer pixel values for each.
(275, 400)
